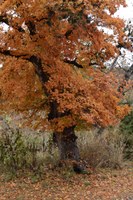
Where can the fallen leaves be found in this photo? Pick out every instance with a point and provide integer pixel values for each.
(100, 185)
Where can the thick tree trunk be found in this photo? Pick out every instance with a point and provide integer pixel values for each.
(68, 149)
(67, 145)
(66, 141)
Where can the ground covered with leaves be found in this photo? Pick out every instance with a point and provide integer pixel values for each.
(66, 185)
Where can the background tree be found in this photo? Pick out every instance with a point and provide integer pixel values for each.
(53, 56)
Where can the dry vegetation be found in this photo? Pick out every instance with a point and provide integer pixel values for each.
(65, 185)
(24, 148)
(40, 178)
(103, 150)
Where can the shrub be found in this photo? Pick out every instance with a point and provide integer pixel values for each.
(12, 149)
(126, 128)
(20, 149)
(102, 150)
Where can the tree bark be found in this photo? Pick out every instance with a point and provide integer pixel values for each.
(68, 149)
(67, 145)
(66, 141)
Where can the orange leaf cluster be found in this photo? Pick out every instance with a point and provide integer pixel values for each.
(71, 50)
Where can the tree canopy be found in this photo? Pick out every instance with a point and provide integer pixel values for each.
(53, 56)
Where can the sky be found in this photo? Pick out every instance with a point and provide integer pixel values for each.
(126, 13)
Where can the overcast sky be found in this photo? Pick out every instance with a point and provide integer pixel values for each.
(126, 13)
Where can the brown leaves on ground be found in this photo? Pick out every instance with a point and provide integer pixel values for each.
(100, 185)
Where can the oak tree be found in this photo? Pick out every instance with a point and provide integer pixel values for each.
(52, 57)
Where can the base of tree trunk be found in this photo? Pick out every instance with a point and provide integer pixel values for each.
(77, 167)
(68, 149)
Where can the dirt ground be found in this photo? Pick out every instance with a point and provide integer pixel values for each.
(55, 185)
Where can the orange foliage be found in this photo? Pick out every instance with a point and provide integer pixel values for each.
(19, 85)
(67, 43)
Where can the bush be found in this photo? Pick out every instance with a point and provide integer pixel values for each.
(12, 149)
(21, 149)
(126, 128)
(26, 149)
(102, 150)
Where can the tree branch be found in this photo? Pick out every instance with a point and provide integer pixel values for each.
(4, 19)
(12, 53)
(31, 26)
(39, 70)
(73, 62)
(129, 73)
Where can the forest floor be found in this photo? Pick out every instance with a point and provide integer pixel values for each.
(101, 184)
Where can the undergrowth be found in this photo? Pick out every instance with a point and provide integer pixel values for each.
(22, 150)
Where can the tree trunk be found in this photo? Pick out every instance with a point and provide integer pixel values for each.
(66, 142)
(68, 149)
